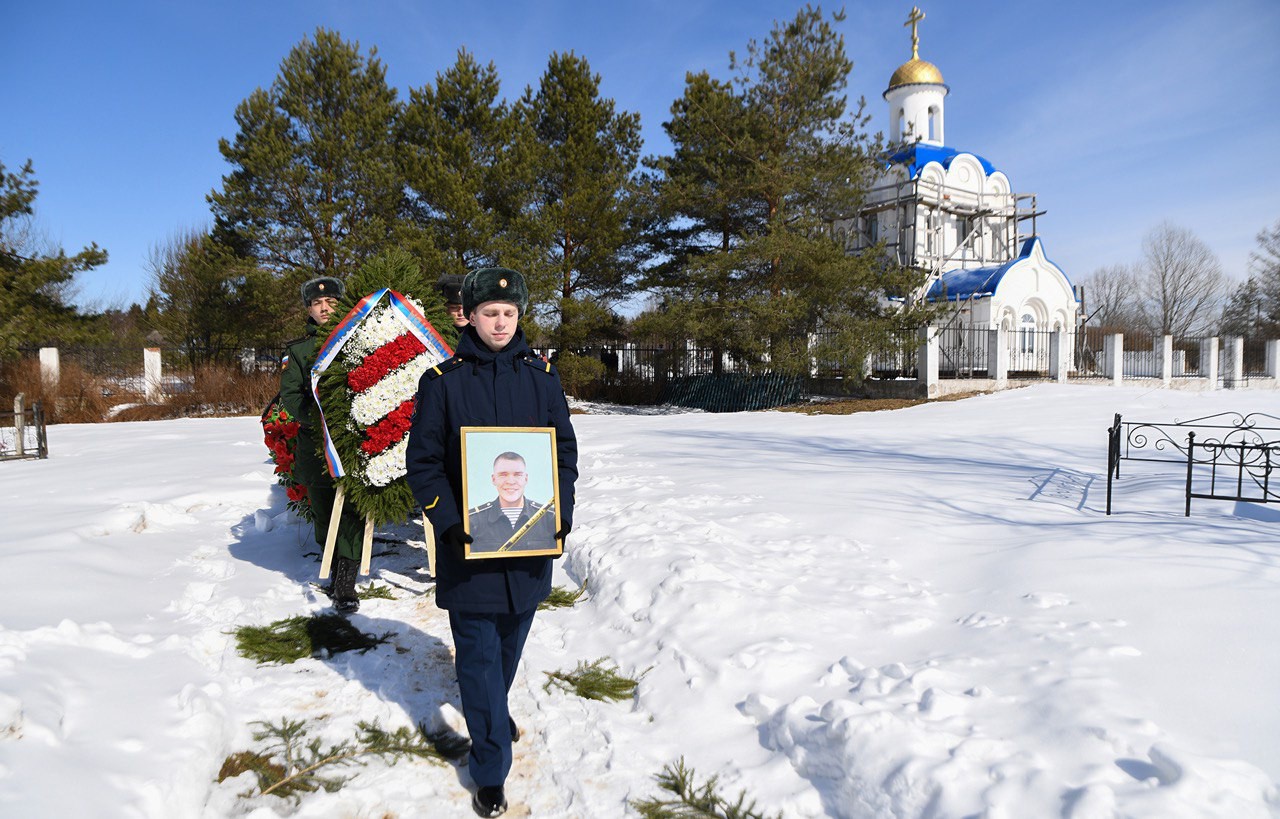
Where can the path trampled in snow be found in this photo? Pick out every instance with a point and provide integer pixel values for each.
(922, 612)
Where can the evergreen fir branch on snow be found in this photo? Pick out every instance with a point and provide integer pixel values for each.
(286, 641)
(692, 801)
(593, 681)
(561, 597)
(290, 764)
(371, 591)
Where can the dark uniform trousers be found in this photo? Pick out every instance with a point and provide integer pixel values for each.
(487, 650)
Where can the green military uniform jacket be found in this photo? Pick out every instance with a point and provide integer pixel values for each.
(311, 470)
(295, 378)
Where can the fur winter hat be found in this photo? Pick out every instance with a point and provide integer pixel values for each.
(494, 284)
(450, 285)
(320, 287)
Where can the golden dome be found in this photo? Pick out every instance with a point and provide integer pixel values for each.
(915, 71)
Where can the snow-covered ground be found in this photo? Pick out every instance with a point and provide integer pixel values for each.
(921, 612)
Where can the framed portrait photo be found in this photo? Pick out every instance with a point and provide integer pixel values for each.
(511, 491)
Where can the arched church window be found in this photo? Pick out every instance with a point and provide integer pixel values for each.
(933, 123)
(1027, 331)
(902, 123)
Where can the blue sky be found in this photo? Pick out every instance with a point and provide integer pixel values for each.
(1117, 115)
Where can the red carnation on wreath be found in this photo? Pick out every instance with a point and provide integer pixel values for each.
(280, 434)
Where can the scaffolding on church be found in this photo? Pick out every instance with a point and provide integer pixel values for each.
(994, 225)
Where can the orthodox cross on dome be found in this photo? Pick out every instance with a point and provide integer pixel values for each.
(913, 20)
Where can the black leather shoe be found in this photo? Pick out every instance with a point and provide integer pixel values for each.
(515, 730)
(489, 801)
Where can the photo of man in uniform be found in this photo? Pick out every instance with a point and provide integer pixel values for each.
(494, 524)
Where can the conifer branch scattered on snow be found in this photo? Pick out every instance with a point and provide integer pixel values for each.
(692, 801)
(373, 590)
(291, 639)
(290, 764)
(561, 597)
(594, 681)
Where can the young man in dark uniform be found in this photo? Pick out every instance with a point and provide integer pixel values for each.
(494, 380)
(320, 297)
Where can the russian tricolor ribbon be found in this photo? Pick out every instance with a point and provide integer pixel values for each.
(414, 322)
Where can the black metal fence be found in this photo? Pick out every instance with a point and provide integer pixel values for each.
(1255, 357)
(1232, 460)
(1187, 359)
(1143, 356)
(964, 352)
(1030, 353)
(1088, 354)
(22, 433)
(898, 359)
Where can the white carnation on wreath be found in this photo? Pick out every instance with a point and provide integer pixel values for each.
(381, 327)
(387, 465)
(382, 398)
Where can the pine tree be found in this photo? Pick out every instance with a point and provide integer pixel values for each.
(35, 281)
(1244, 313)
(585, 220)
(1264, 262)
(314, 185)
(211, 304)
(465, 165)
(762, 167)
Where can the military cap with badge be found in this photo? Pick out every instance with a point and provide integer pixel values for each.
(321, 287)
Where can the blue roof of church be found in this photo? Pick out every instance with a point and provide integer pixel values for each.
(955, 285)
(919, 154)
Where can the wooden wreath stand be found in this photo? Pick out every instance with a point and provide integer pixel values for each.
(366, 548)
(331, 539)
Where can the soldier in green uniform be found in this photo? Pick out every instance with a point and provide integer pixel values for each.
(320, 297)
(450, 285)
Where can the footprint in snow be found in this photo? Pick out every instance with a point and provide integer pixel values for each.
(1047, 600)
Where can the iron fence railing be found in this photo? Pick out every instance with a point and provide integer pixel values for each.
(1187, 360)
(1255, 357)
(22, 433)
(1030, 353)
(964, 352)
(898, 358)
(1088, 354)
(1142, 356)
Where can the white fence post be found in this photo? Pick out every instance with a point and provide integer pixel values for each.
(19, 425)
(1113, 355)
(1209, 361)
(50, 368)
(151, 375)
(1273, 358)
(927, 361)
(1166, 360)
(998, 362)
(1234, 376)
(1059, 355)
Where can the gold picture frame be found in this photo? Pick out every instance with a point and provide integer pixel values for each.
(511, 492)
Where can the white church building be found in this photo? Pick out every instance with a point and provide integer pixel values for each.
(953, 214)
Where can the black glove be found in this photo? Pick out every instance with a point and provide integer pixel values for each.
(560, 536)
(456, 538)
